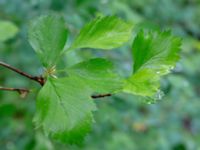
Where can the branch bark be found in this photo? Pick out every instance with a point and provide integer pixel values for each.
(38, 79)
(22, 91)
(101, 95)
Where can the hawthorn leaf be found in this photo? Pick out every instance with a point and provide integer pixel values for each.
(64, 109)
(154, 55)
(103, 33)
(47, 35)
(98, 74)
(143, 83)
(7, 30)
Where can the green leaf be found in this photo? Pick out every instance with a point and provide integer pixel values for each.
(103, 33)
(98, 74)
(64, 109)
(154, 54)
(48, 35)
(144, 83)
(7, 30)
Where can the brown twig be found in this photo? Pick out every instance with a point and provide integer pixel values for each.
(101, 95)
(22, 91)
(38, 79)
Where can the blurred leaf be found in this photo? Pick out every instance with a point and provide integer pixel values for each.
(103, 33)
(139, 126)
(64, 109)
(99, 74)
(47, 36)
(7, 30)
(154, 54)
(7, 110)
(119, 141)
(42, 143)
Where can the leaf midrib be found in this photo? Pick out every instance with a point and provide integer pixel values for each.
(143, 66)
(60, 99)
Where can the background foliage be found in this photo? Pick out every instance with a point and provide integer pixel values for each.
(122, 121)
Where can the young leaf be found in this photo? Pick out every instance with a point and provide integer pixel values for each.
(48, 35)
(7, 30)
(154, 54)
(64, 109)
(98, 74)
(143, 83)
(103, 33)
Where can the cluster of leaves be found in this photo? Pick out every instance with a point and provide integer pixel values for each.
(64, 104)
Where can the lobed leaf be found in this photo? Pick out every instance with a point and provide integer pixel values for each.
(98, 74)
(64, 109)
(48, 35)
(143, 83)
(154, 54)
(103, 33)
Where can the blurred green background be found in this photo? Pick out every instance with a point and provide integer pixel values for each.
(123, 122)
